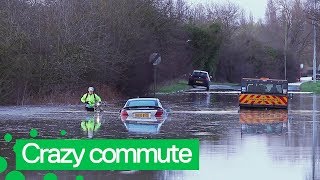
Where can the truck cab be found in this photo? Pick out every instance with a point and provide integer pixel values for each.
(263, 93)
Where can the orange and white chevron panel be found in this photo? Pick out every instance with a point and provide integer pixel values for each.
(263, 100)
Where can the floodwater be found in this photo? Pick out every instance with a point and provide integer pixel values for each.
(248, 145)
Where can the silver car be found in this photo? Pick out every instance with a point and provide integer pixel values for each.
(143, 110)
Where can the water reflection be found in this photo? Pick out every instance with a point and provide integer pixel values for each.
(91, 124)
(315, 165)
(201, 100)
(254, 121)
(143, 126)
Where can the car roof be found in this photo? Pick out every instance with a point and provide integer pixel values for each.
(143, 99)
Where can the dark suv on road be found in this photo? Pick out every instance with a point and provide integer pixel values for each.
(199, 78)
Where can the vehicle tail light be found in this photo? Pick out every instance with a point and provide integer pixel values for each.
(159, 113)
(124, 118)
(124, 112)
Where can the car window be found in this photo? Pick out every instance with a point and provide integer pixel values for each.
(264, 88)
(274, 88)
(199, 74)
(142, 103)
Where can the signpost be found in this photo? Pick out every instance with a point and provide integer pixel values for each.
(300, 70)
(314, 71)
(155, 59)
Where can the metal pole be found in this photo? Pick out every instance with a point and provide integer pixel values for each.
(314, 135)
(285, 49)
(154, 80)
(314, 45)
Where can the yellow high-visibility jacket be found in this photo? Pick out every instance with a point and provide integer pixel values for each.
(90, 98)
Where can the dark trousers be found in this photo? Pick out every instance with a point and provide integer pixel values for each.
(89, 109)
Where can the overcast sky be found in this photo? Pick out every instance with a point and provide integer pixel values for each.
(256, 7)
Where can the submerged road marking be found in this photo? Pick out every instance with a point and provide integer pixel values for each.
(104, 112)
(297, 92)
(217, 112)
(212, 92)
(302, 111)
(235, 92)
(205, 112)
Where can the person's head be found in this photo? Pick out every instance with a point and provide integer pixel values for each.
(90, 90)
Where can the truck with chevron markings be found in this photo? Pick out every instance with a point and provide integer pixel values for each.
(263, 93)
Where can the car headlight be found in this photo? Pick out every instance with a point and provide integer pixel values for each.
(243, 89)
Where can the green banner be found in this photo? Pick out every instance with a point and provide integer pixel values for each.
(107, 154)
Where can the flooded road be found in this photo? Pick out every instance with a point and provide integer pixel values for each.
(233, 144)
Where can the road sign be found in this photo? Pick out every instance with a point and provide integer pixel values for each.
(155, 59)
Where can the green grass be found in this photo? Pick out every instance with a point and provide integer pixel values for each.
(310, 87)
(173, 86)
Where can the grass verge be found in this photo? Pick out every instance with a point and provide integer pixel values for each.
(310, 87)
(173, 86)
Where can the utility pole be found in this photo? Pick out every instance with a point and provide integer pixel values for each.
(314, 45)
(285, 47)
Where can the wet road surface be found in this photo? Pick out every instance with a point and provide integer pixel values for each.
(233, 144)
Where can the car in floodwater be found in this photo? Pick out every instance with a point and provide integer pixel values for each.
(143, 110)
(199, 78)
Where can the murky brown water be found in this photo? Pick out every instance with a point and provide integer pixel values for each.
(234, 145)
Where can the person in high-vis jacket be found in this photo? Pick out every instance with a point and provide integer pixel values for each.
(90, 99)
